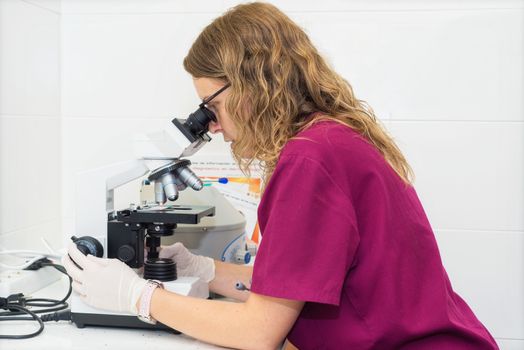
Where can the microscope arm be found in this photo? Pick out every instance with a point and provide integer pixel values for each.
(158, 153)
(95, 194)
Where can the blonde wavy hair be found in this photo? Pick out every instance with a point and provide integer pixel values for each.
(278, 79)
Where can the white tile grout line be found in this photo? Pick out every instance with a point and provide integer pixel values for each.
(41, 7)
(295, 12)
(387, 119)
(41, 223)
(29, 116)
(499, 231)
(455, 121)
(383, 120)
(519, 339)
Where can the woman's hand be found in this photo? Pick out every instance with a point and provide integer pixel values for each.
(103, 283)
(189, 264)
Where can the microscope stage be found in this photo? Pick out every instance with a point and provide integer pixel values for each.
(169, 214)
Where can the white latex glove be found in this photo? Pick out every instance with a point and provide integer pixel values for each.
(107, 284)
(189, 264)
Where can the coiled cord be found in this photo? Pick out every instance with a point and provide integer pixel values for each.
(17, 305)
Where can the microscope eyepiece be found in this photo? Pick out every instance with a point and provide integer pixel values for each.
(198, 122)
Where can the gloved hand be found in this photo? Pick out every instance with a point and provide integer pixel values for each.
(104, 283)
(189, 264)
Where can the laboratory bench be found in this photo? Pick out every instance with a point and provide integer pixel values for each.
(65, 335)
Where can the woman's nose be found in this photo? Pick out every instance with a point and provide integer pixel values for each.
(214, 127)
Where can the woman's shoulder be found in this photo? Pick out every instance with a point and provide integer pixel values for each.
(337, 148)
(326, 138)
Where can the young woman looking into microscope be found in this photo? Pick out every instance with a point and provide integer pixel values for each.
(348, 259)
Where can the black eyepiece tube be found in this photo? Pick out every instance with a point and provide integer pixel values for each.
(198, 122)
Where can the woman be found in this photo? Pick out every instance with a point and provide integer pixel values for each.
(348, 258)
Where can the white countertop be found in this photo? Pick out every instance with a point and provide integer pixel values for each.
(65, 335)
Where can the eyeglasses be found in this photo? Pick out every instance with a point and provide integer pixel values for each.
(204, 103)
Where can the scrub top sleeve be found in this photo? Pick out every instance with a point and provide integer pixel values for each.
(309, 234)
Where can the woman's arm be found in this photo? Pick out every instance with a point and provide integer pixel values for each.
(261, 322)
(227, 275)
(221, 276)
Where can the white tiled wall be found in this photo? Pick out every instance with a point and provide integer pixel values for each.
(482, 267)
(30, 127)
(469, 174)
(446, 77)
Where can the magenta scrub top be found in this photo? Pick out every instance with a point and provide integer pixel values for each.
(342, 232)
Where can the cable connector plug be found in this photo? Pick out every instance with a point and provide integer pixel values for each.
(13, 300)
(64, 315)
(16, 299)
(38, 264)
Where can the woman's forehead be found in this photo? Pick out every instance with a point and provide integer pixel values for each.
(207, 86)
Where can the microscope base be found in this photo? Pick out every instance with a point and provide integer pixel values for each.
(121, 321)
(84, 315)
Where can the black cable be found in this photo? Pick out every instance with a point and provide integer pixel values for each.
(16, 305)
(44, 302)
(42, 311)
(64, 315)
(33, 317)
(53, 302)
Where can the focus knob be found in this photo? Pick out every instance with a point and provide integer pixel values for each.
(126, 253)
(89, 245)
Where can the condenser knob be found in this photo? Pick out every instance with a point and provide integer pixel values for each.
(242, 256)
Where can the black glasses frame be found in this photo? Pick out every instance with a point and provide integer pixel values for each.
(207, 100)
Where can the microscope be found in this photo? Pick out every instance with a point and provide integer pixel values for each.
(134, 235)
